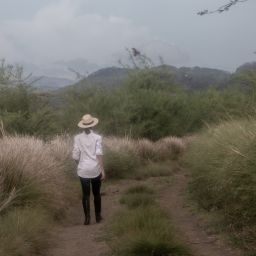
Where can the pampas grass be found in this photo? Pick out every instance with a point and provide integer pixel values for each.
(34, 190)
(170, 148)
(223, 164)
(129, 158)
(32, 172)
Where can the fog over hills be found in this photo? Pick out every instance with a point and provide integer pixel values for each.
(61, 68)
(45, 83)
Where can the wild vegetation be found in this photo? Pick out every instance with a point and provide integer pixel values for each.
(22, 110)
(37, 185)
(151, 105)
(135, 159)
(143, 228)
(34, 190)
(140, 120)
(222, 163)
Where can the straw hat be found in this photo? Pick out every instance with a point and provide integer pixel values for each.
(88, 121)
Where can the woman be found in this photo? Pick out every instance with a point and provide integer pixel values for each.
(87, 153)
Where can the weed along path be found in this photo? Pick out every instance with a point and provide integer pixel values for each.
(75, 239)
(188, 224)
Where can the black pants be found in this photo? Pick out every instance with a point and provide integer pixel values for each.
(86, 188)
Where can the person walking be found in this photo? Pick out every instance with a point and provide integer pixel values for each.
(88, 154)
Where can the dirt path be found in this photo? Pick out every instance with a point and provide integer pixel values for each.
(189, 225)
(75, 239)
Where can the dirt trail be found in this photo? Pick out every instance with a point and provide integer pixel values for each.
(75, 239)
(188, 225)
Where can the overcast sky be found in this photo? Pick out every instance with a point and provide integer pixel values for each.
(43, 31)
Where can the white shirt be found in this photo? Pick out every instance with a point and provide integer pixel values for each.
(86, 148)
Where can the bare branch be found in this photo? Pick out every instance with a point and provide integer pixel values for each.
(137, 59)
(222, 8)
(79, 76)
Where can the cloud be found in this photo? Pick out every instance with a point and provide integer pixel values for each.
(59, 31)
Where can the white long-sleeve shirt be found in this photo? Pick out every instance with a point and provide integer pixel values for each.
(86, 148)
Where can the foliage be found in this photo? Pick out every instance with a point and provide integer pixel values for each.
(137, 159)
(151, 105)
(148, 104)
(222, 160)
(21, 109)
(143, 228)
(120, 164)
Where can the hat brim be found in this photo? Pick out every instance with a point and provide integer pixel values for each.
(94, 123)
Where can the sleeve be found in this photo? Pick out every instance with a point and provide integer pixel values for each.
(99, 150)
(76, 151)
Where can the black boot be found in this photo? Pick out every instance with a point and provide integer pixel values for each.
(97, 206)
(86, 205)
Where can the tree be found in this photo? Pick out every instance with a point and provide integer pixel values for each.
(222, 8)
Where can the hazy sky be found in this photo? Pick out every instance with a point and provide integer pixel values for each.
(41, 31)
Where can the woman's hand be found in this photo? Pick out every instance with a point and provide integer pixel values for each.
(103, 176)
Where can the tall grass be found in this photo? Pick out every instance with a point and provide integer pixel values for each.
(35, 175)
(34, 189)
(31, 173)
(130, 158)
(223, 164)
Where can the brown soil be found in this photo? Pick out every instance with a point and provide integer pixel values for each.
(75, 239)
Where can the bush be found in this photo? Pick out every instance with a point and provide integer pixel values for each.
(129, 158)
(170, 148)
(120, 164)
(143, 229)
(223, 163)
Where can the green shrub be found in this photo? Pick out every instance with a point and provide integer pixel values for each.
(121, 164)
(223, 163)
(143, 231)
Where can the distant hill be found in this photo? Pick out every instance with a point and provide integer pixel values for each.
(250, 66)
(190, 78)
(201, 78)
(106, 77)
